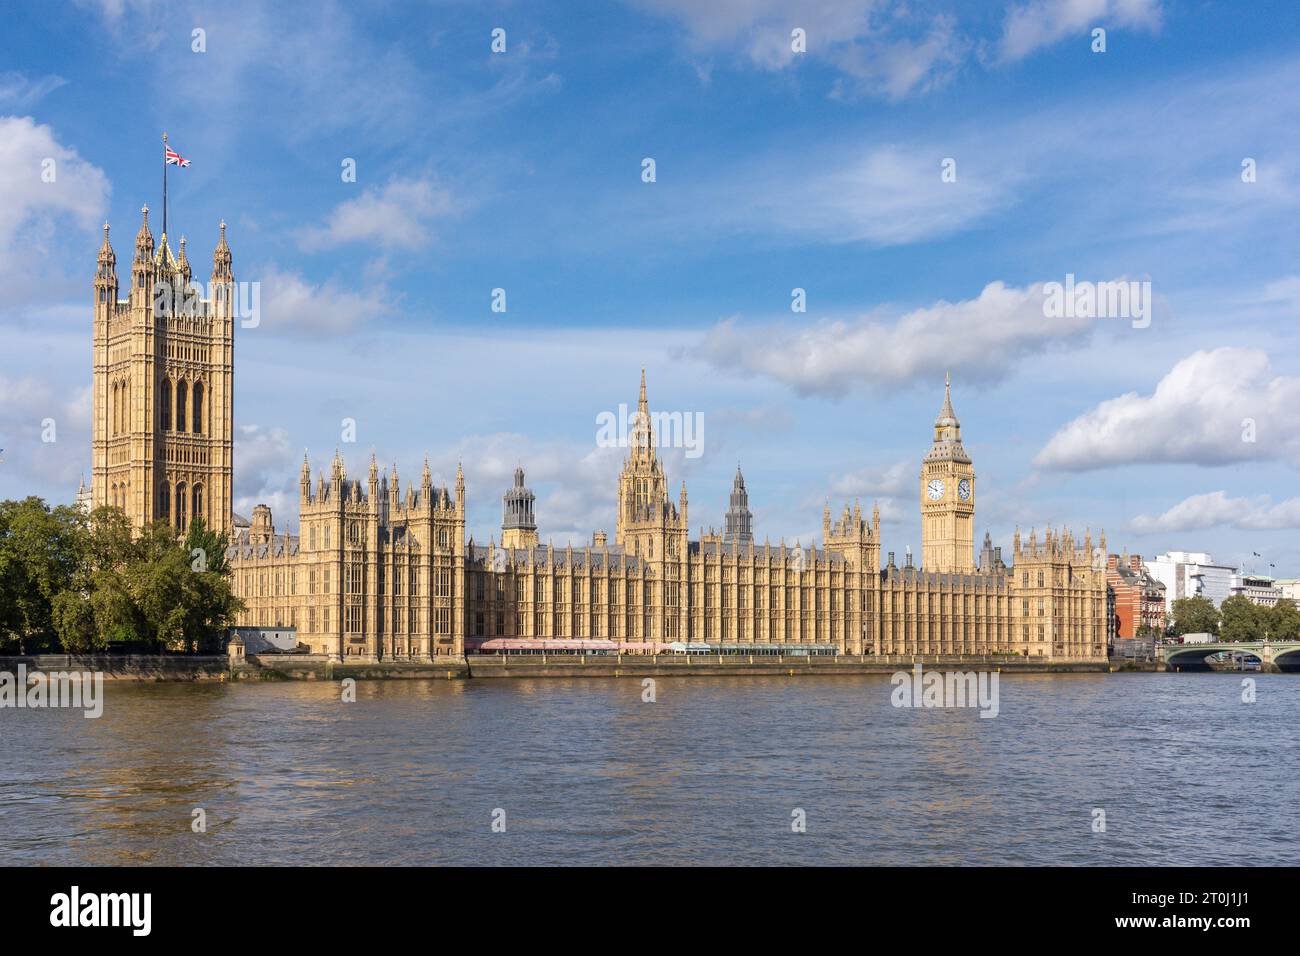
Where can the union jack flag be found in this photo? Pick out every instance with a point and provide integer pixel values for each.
(176, 159)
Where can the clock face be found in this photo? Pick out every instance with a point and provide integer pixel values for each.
(934, 489)
(963, 489)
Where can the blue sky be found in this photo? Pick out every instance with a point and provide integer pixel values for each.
(775, 170)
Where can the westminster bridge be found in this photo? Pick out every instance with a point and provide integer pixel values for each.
(1272, 655)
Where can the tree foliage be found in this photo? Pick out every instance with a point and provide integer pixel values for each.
(1195, 615)
(1243, 620)
(85, 582)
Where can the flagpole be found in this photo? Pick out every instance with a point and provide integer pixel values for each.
(164, 184)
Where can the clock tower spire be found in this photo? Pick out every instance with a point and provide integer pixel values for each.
(947, 497)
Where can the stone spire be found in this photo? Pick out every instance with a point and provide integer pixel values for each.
(106, 270)
(183, 265)
(304, 479)
(221, 271)
(143, 239)
(642, 437)
(738, 525)
(106, 255)
(947, 430)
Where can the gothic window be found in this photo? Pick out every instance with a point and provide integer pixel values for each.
(197, 403)
(165, 404)
(165, 502)
(181, 518)
(180, 405)
(198, 501)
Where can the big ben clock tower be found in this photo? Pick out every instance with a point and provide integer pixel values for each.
(947, 497)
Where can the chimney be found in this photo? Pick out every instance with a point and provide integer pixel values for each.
(1135, 562)
(598, 539)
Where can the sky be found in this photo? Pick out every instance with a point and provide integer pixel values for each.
(921, 171)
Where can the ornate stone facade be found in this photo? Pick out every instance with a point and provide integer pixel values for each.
(378, 572)
(416, 586)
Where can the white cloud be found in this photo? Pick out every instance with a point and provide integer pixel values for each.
(17, 91)
(266, 473)
(399, 214)
(982, 338)
(32, 411)
(878, 48)
(1215, 509)
(292, 304)
(33, 212)
(876, 481)
(1041, 23)
(1212, 408)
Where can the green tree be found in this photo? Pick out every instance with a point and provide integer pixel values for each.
(41, 552)
(1243, 620)
(1284, 621)
(1194, 615)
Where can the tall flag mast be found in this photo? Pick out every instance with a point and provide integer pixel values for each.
(170, 158)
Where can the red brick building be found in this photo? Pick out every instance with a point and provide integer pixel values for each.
(1139, 598)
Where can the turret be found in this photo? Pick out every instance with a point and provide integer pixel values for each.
(142, 265)
(183, 268)
(106, 277)
(304, 479)
(221, 270)
(518, 520)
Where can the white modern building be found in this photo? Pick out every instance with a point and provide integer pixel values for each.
(1192, 574)
(1257, 588)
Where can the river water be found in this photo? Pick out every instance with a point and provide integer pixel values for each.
(714, 770)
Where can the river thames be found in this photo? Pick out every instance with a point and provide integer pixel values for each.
(714, 771)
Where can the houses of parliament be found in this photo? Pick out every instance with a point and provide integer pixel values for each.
(383, 569)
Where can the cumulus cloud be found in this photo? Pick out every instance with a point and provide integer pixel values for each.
(575, 485)
(44, 187)
(1042, 23)
(44, 433)
(266, 473)
(292, 304)
(983, 338)
(398, 214)
(876, 481)
(1257, 513)
(1212, 408)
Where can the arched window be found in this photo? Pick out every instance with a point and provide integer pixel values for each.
(180, 405)
(165, 404)
(114, 412)
(198, 502)
(198, 408)
(182, 520)
(165, 502)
